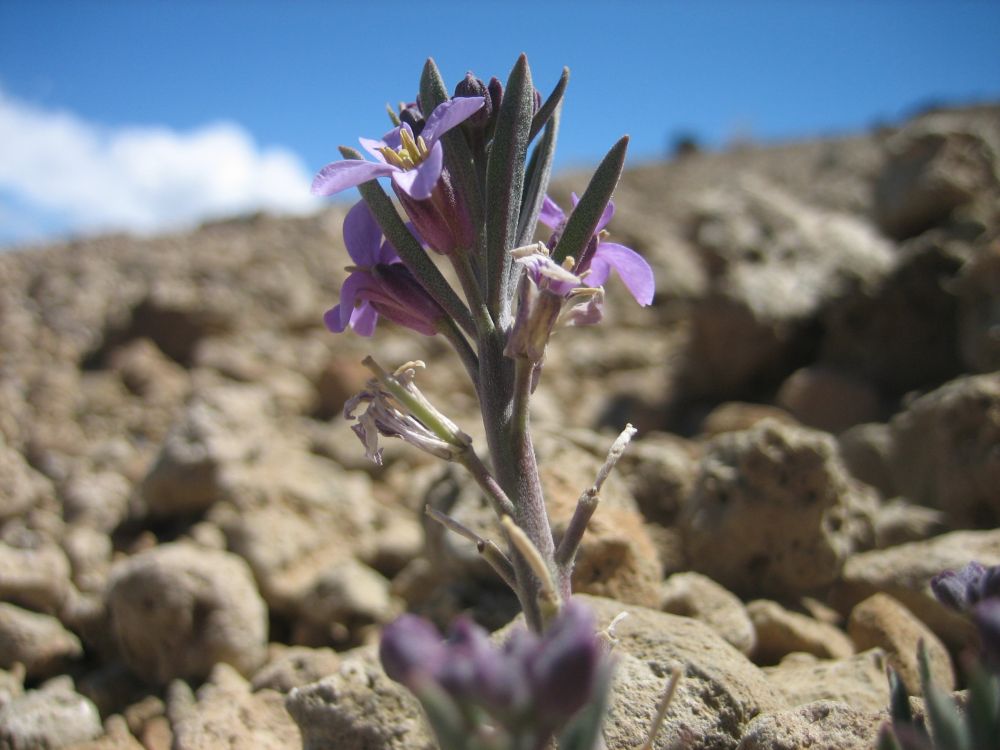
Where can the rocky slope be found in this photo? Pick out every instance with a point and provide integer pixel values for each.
(194, 552)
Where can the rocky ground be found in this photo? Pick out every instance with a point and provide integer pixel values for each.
(194, 552)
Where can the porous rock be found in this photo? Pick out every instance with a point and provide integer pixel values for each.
(226, 713)
(882, 622)
(177, 610)
(905, 571)
(220, 428)
(292, 516)
(978, 290)
(899, 334)
(781, 632)
(346, 601)
(116, 737)
(295, 666)
(37, 641)
(827, 724)
(34, 572)
(944, 451)
(659, 470)
(359, 708)
(773, 262)
(23, 487)
(697, 596)
(720, 690)
(828, 399)
(858, 680)
(933, 167)
(774, 511)
(52, 717)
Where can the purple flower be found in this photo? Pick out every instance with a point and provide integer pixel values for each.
(379, 283)
(411, 650)
(963, 589)
(532, 682)
(414, 164)
(597, 263)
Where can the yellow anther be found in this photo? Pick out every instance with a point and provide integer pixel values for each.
(569, 262)
(422, 145)
(409, 146)
(391, 156)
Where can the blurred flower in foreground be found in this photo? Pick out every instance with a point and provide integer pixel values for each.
(529, 688)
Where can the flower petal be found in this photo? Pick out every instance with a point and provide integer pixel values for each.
(353, 284)
(373, 146)
(448, 114)
(341, 175)
(633, 270)
(333, 321)
(363, 320)
(419, 182)
(362, 235)
(551, 215)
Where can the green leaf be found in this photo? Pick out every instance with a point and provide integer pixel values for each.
(445, 717)
(504, 184)
(583, 220)
(537, 180)
(948, 730)
(410, 250)
(983, 707)
(549, 106)
(899, 700)
(887, 740)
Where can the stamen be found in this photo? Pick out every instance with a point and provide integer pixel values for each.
(392, 157)
(569, 262)
(409, 146)
(422, 146)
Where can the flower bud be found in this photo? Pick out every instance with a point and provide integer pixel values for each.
(496, 94)
(472, 86)
(565, 673)
(959, 589)
(411, 115)
(411, 650)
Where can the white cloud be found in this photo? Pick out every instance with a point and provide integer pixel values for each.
(60, 173)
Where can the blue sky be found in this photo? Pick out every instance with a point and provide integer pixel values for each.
(183, 110)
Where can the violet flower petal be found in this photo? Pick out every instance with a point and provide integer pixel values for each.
(632, 268)
(341, 175)
(551, 215)
(606, 216)
(364, 320)
(333, 320)
(450, 113)
(419, 182)
(362, 235)
(411, 647)
(349, 291)
(373, 146)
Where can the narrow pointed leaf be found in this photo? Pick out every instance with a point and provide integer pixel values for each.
(411, 251)
(457, 154)
(948, 730)
(504, 183)
(537, 180)
(899, 700)
(886, 740)
(549, 106)
(583, 221)
(983, 708)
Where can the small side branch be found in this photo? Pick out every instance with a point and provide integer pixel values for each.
(487, 548)
(588, 502)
